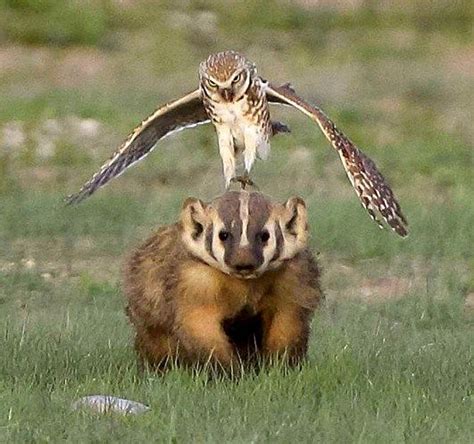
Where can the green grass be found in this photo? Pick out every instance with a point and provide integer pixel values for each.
(401, 370)
(391, 352)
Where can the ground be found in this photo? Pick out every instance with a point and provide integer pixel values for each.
(391, 352)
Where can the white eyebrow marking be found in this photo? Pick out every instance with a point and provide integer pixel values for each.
(244, 217)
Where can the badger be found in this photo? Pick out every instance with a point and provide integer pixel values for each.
(231, 283)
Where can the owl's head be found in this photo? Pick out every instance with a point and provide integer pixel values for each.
(225, 76)
(244, 234)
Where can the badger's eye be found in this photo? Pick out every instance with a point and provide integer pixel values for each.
(211, 83)
(264, 236)
(223, 235)
(237, 78)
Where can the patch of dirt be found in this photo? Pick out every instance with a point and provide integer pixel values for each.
(15, 58)
(335, 5)
(469, 303)
(78, 66)
(461, 62)
(383, 289)
(65, 68)
(347, 282)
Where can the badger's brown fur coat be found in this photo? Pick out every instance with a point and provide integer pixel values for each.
(184, 310)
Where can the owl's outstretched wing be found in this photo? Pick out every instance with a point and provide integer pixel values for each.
(183, 113)
(373, 191)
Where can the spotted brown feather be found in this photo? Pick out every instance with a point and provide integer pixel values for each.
(232, 121)
(174, 116)
(374, 193)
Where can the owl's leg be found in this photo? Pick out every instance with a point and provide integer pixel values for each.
(256, 143)
(226, 151)
(251, 138)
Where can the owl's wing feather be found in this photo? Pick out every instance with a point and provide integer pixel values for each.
(174, 116)
(374, 193)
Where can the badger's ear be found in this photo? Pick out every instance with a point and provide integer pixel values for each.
(294, 219)
(194, 217)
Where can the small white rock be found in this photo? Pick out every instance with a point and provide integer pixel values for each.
(89, 127)
(12, 136)
(83, 127)
(7, 266)
(28, 263)
(51, 127)
(107, 403)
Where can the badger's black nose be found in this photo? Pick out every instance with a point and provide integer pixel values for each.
(244, 267)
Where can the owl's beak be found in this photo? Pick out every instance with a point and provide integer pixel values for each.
(227, 94)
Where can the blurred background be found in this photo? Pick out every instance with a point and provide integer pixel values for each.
(77, 76)
(391, 355)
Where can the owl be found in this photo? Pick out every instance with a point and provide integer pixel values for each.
(235, 99)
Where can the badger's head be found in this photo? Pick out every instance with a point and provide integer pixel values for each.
(244, 234)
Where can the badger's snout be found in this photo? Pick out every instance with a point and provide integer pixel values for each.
(244, 262)
(245, 267)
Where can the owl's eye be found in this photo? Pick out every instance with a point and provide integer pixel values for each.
(236, 78)
(211, 83)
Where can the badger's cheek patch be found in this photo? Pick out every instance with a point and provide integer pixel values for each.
(269, 248)
(289, 242)
(218, 248)
(196, 246)
(201, 248)
(208, 241)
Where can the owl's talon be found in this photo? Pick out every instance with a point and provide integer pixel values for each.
(244, 181)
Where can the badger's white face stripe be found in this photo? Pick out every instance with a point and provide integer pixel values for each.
(217, 247)
(244, 217)
(270, 248)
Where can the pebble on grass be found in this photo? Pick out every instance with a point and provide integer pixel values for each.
(110, 404)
